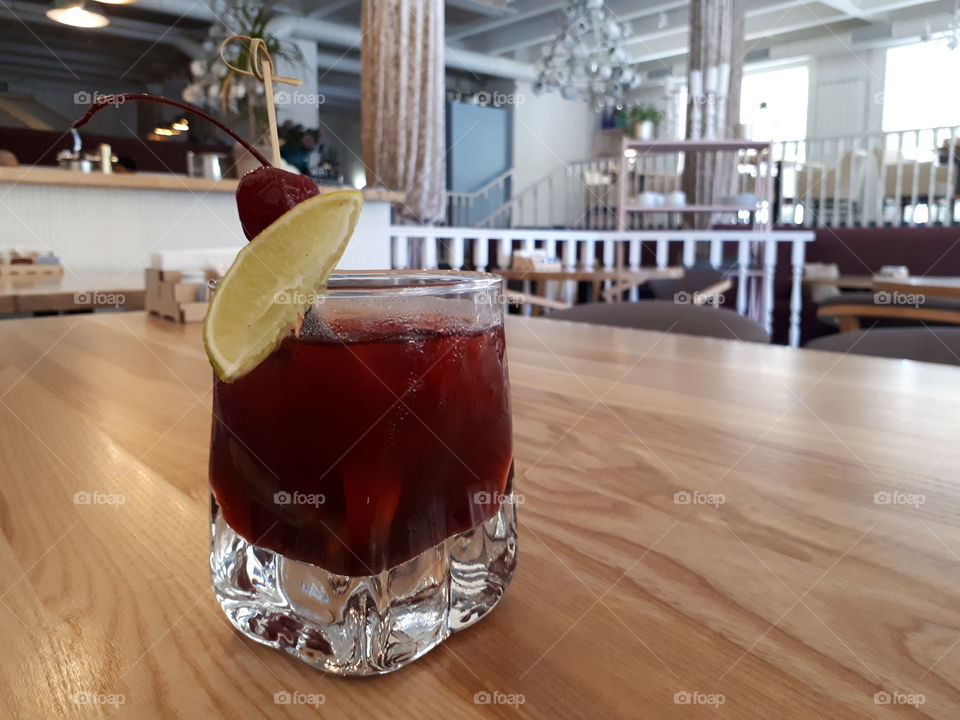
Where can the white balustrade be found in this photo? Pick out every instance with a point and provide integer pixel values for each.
(749, 256)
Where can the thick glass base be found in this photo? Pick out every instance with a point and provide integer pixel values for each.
(366, 625)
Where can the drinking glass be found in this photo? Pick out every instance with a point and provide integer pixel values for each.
(362, 504)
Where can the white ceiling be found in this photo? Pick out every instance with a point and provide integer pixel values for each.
(154, 38)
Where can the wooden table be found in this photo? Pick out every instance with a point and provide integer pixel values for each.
(849, 282)
(621, 280)
(934, 286)
(73, 291)
(800, 596)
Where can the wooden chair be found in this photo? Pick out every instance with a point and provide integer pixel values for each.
(924, 344)
(667, 316)
(850, 311)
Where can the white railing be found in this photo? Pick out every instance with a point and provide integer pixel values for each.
(469, 208)
(751, 257)
(580, 194)
(906, 177)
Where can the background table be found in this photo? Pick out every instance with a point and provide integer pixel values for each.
(801, 595)
(74, 290)
(933, 286)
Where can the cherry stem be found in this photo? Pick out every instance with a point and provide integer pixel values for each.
(101, 102)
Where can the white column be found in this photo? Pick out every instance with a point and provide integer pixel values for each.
(797, 258)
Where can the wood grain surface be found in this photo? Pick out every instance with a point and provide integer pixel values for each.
(701, 536)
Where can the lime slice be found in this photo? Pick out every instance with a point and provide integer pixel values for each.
(274, 278)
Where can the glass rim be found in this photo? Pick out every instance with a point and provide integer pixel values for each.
(408, 283)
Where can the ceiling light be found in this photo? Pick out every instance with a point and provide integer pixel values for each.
(180, 126)
(73, 13)
(166, 132)
(117, 2)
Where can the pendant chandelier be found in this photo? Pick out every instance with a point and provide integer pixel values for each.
(586, 61)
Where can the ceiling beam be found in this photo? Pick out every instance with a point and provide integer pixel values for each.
(483, 7)
(847, 7)
(489, 25)
(539, 31)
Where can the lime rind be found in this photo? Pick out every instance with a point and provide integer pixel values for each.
(274, 279)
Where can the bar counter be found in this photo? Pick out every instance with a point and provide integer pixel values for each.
(112, 223)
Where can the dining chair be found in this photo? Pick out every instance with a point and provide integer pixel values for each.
(667, 316)
(926, 344)
(851, 311)
(702, 286)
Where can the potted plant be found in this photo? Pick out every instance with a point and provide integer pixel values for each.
(236, 98)
(642, 120)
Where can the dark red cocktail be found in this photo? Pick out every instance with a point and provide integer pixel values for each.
(357, 454)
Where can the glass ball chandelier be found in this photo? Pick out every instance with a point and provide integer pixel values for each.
(586, 61)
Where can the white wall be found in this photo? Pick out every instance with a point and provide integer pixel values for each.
(548, 132)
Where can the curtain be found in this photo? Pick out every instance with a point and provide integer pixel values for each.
(713, 101)
(402, 103)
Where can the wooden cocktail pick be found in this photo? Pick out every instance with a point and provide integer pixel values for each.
(262, 68)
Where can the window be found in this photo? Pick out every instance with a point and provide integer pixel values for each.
(773, 103)
(916, 89)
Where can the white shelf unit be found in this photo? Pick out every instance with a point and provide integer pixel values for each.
(763, 187)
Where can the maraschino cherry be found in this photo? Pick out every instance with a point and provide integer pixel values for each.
(263, 194)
